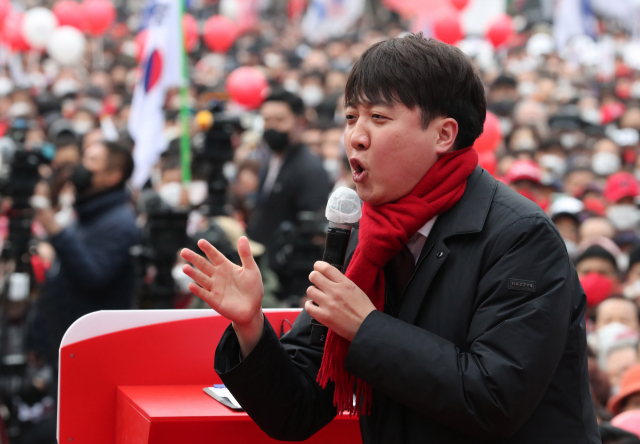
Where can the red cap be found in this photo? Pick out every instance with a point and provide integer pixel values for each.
(629, 385)
(611, 111)
(597, 287)
(523, 170)
(619, 185)
(595, 206)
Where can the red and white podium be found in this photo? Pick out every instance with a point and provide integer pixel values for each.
(133, 377)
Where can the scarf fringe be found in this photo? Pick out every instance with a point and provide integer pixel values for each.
(345, 383)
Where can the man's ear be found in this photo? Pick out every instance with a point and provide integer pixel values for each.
(447, 132)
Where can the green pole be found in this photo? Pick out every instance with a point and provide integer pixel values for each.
(185, 149)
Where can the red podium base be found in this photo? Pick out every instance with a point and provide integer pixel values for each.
(137, 376)
(172, 414)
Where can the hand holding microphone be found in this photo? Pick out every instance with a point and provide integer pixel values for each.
(343, 211)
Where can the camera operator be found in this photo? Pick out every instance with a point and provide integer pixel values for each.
(93, 269)
(292, 181)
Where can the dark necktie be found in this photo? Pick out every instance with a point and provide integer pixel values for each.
(402, 267)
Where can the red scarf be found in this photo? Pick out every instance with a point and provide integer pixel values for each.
(384, 229)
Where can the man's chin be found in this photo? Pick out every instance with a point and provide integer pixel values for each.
(368, 196)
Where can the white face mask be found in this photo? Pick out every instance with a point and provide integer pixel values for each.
(623, 217)
(198, 192)
(605, 163)
(572, 249)
(568, 141)
(181, 280)
(170, 193)
(291, 85)
(632, 291)
(66, 200)
(554, 163)
(65, 86)
(6, 86)
(635, 90)
(591, 115)
(312, 95)
(332, 167)
(82, 127)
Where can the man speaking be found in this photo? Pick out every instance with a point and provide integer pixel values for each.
(460, 318)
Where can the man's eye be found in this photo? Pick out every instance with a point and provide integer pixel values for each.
(377, 116)
(350, 117)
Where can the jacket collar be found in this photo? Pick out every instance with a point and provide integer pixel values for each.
(469, 214)
(97, 204)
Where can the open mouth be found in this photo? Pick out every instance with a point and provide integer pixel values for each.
(359, 172)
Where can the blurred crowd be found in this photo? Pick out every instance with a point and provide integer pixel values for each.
(570, 141)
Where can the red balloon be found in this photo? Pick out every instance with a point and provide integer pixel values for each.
(12, 32)
(68, 13)
(295, 8)
(190, 29)
(491, 135)
(219, 33)
(141, 40)
(500, 30)
(248, 86)
(98, 16)
(459, 4)
(5, 9)
(447, 29)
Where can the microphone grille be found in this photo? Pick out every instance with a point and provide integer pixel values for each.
(344, 206)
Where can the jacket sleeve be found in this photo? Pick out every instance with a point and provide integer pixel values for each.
(276, 384)
(93, 263)
(515, 341)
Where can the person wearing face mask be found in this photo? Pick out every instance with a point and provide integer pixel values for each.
(292, 181)
(606, 158)
(93, 269)
(503, 96)
(620, 191)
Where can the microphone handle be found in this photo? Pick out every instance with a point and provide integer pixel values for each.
(335, 251)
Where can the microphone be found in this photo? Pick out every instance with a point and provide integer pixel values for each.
(343, 210)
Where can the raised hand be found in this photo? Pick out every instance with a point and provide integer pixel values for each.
(234, 292)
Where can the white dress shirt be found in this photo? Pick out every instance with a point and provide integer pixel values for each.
(416, 243)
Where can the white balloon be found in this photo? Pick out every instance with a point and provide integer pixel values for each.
(66, 45)
(540, 44)
(37, 26)
(230, 9)
(631, 55)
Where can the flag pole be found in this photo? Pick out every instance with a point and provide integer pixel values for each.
(185, 149)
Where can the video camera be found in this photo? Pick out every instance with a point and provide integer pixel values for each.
(299, 246)
(211, 153)
(165, 231)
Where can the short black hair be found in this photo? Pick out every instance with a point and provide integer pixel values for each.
(504, 80)
(599, 252)
(119, 158)
(282, 95)
(424, 73)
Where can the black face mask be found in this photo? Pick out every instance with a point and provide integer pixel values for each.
(81, 179)
(502, 108)
(277, 140)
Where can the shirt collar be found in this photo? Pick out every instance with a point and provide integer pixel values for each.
(426, 229)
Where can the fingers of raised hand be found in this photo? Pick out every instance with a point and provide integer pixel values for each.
(202, 279)
(212, 253)
(198, 261)
(202, 293)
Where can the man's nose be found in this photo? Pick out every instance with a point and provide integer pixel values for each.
(360, 139)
